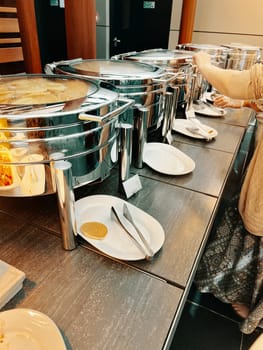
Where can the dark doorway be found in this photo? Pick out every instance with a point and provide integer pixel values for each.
(137, 25)
(51, 32)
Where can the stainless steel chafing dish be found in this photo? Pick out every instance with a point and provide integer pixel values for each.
(143, 83)
(219, 57)
(218, 53)
(58, 133)
(241, 57)
(174, 60)
(81, 129)
(180, 89)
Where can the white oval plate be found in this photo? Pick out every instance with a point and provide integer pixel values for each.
(181, 125)
(27, 329)
(208, 111)
(167, 159)
(117, 243)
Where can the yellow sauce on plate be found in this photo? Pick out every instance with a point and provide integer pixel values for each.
(94, 230)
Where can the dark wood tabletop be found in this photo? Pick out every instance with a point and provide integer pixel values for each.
(95, 302)
(100, 302)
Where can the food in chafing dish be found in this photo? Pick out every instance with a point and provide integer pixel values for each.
(40, 90)
(4, 134)
(93, 229)
(7, 177)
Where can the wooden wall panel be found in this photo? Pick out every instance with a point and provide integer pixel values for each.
(80, 21)
(11, 55)
(29, 35)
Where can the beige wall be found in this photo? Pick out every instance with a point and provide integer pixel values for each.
(175, 23)
(222, 22)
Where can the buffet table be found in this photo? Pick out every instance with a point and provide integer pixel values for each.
(99, 302)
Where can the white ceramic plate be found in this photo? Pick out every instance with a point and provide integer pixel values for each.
(26, 329)
(167, 159)
(117, 243)
(208, 111)
(183, 125)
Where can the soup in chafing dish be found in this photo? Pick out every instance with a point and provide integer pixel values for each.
(40, 90)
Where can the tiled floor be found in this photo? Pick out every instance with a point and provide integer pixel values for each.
(208, 324)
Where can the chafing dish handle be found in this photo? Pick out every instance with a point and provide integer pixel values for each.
(166, 78)
(102, 119)
(50, 67)
(123, 56)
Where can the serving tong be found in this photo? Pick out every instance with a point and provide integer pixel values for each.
(142, 245)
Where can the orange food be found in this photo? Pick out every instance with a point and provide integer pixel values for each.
(93, 229)
(6, 175)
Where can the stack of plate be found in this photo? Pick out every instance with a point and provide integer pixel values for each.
(11, 281)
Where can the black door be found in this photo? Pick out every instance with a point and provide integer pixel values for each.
(137, 25)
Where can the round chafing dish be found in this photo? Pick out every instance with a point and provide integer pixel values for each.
(45, 119)
(143, 83)
(218, 53)
(241, 57)
(219, 57)
(177, 60)
(179, 89)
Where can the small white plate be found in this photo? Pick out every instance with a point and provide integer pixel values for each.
(167, 159)
(208, 111)
(26, 329)
(117, 243)
(182, 125)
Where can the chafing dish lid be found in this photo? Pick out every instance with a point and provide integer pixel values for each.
(42, 89)
(111, 69)
(161, 56)
(209, 48)
(45, 95)
(241, 46)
